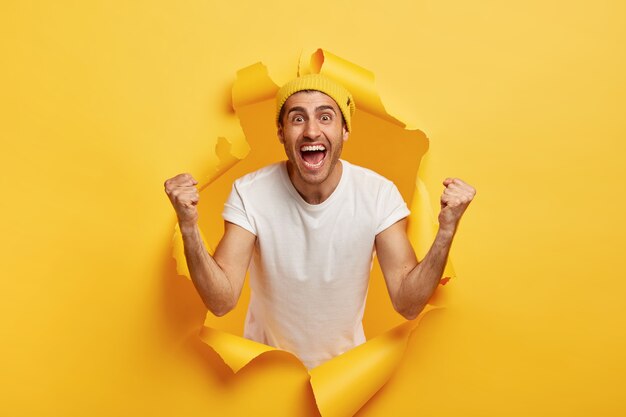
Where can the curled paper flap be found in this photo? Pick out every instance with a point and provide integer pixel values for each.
(227, 159)
(235, 351)
(358, 80)
(341, 388)
(345, 383)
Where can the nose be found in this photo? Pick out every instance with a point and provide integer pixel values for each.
(312, 129)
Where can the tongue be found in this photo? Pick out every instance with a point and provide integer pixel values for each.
(313, 157)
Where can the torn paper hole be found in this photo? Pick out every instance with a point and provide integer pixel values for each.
(344, 384)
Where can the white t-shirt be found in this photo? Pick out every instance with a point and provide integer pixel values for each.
(310, 268)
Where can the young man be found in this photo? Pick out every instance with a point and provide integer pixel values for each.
(307, 228)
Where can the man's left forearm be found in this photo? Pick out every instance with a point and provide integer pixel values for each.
(420, 283)
(412, 283)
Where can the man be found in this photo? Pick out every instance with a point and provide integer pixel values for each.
(308, 229)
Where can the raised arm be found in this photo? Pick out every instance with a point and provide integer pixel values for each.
(219, 278)
(411, 283)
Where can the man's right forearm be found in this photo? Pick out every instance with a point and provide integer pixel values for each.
(210, 281)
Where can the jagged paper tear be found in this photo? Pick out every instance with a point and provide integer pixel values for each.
(344, 384)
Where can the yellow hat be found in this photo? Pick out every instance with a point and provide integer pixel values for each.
(318, 82)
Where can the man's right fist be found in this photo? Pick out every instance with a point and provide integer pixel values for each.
(184, 196)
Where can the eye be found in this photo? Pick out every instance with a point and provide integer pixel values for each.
(326, 117)
(297, 119)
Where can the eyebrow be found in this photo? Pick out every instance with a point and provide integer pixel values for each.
(317, 109)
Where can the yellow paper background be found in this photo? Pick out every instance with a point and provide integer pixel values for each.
(101, 101)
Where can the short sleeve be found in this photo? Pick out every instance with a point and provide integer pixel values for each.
(390, 207)
(235, 211)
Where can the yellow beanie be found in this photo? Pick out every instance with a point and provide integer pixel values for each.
(318, 82)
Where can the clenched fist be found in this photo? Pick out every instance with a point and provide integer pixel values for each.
(184, 196)
(454, 200)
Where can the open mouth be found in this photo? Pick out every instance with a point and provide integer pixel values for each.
(313, 155)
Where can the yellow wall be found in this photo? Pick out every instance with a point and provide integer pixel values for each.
(103, 100)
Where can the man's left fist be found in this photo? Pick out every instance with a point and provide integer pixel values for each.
(454, 200)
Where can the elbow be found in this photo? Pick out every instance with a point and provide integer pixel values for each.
(409, 311)
(220, 313)
(219, 309)
(409, 314)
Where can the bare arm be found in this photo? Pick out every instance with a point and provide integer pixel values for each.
(219, 278)
(411, 283)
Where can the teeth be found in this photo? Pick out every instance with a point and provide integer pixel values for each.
(309, 148)
(319, 164)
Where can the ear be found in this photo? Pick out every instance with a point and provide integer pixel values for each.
(279, 133)
(345, 133)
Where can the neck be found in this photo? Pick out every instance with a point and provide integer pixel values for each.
(316, 193)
